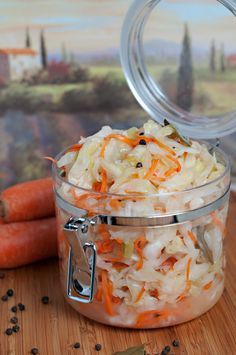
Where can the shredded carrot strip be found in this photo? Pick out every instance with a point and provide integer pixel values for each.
(115, 136)
(218, 223)
(208, 285)
(170, 172)
(119, 266)
(188, 268)
(152, 169)
(102, 230)
(140, 294)
(154, 293)
(107, 294)
(139, 244)
(115, 204)
(74, 148)
(104, 181)
(116, 300)
(105, 246)
(98, 295)
(192, 237)
(174, 160)
(160, 144)
(185, 155)
(169, 262)
(188, 282)
(150, 318)
(96, 186)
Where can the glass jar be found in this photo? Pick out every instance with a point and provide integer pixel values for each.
(146, 261)
(142, 261)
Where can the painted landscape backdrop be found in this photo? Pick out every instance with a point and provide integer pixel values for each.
(60, 75)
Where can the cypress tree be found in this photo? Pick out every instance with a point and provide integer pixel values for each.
(222, 59)
(27, 39)
(185, 84)
(43, 50)
(213, 57)
(64, 53)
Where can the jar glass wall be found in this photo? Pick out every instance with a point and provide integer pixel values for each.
(147, 275)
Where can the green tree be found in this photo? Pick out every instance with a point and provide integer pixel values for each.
(27, 39)
(185, 83)
(43, 50)
(213, 57)
(222, 59)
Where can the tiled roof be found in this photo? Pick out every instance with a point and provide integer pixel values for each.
(18, 51)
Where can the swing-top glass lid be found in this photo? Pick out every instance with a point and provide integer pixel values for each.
(179, 58)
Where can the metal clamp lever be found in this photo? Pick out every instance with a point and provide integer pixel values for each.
(81, 261)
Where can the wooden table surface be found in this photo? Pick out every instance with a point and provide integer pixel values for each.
(55, 327)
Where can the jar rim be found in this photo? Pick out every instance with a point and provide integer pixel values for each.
(217, 150)
(149, 92)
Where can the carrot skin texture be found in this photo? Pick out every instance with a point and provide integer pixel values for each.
(28, 201)
(23, 243)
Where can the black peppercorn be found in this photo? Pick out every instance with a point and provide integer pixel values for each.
(142, 142)
(98, 347)
(141, 134)
(8, 331)
(34, 351)
(16, 328)
(45, 299)
(76, 345)
(14, 309)
(4, 298)
(175, 343)
(166, 350)
(10, 293)
(139, 165)
(21, 307)
(14, 320)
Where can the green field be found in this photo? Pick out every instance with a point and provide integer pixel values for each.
(216, 90)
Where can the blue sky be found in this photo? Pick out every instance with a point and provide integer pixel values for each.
(95, 25)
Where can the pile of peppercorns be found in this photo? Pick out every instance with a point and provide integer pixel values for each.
(15, 328)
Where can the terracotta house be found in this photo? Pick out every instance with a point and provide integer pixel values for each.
(16, 63)
(231, 61)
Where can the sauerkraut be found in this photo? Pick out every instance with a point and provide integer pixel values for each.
(148, 277)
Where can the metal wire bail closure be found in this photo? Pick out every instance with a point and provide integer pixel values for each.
(81, 281)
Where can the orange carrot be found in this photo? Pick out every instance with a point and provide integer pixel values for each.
(27, 201)
(192, 237)
(115, 204)
(140, 294)
(119, 266)
(152, 169)
(139, 244)
(107, 294)
(74, 148)
(159, 144)
(98, 296)
(188, 282)
(97, 186)
(174, 160)
(115, 136)
(208, 285)
(170, 172)
(26, 242)
(104, 181)
(150, 318)
(169, 262)
(154, 293)
(218, 223)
